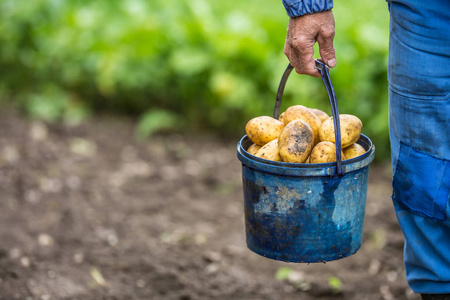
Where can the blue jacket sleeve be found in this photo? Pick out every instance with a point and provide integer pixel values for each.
(295, 8)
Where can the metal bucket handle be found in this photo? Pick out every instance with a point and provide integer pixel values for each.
(333, 102)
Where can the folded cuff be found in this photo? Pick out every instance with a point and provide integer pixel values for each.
(295, 8)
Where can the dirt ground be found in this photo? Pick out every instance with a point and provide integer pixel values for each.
(89, 212)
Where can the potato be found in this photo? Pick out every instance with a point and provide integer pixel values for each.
(261, 130)
(269, 151)
(350, 130)
(253, 149)
(300, 112)
(324, 152)
(321, 114)
(354, 151)
(281, 117)
(296, 142)
(308, 160)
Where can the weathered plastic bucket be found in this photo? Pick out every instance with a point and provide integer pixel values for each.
(305, 212)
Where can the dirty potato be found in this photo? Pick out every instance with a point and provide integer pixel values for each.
(261, 130)
(253, 149)
(269, 151)
(300, 112)
(324, 152)
(354, 151)
(350, 130)
(296, 142)
(320, 113)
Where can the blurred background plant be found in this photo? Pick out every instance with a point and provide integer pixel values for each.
(182, 65)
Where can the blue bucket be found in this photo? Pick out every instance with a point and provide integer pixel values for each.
(305, 212)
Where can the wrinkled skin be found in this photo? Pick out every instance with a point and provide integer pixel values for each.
(302, 33)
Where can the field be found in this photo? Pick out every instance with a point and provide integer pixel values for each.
(89, 212)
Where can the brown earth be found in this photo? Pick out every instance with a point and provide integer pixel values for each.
(89, 212)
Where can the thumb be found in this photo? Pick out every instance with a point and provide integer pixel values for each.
(326, 47)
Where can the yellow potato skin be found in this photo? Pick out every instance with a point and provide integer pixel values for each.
(354, 150)
(350, 130)
(320, 113)
(300, 112)
(269, 151)
(253, 149)
(261, 130)
(281, 117)
(296, 142)
(324, 152)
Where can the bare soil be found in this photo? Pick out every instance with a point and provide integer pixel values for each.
(89, 212)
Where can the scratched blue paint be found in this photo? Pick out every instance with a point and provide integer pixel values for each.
(303, 212)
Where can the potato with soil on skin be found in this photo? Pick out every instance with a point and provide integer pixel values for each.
(253, 149)
(300, 112)
(261, 130)
(354, 150)
(350, 130)
(269, 151)
(324, 152)
(296, 142)
(320, 113)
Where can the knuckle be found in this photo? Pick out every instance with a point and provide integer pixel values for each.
(299, 71)
(302, 69)
(299, 42)
(327, 32)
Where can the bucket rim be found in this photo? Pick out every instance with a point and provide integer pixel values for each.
(302, 169)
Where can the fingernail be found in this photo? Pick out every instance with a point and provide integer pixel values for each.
(332, 63)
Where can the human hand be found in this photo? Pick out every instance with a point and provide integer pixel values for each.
(302, 33)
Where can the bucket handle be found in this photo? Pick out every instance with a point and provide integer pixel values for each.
(333, 102)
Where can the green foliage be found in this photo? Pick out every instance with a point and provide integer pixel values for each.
(283, 273)
(335, 284)
(156, 120)
(212, 64)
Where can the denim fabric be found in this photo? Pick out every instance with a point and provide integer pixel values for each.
(420, 48)
(419, 127)
(418, 173)
(295, 8)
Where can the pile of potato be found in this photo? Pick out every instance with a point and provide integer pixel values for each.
(303, 135)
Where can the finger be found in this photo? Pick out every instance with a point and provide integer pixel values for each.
(326, 47)
(303, 55)
(302, 67)
(321, 60)
(293, 58)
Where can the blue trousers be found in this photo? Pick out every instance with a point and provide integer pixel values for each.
(419, 127)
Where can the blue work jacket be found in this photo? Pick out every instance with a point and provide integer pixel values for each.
(295, 8)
